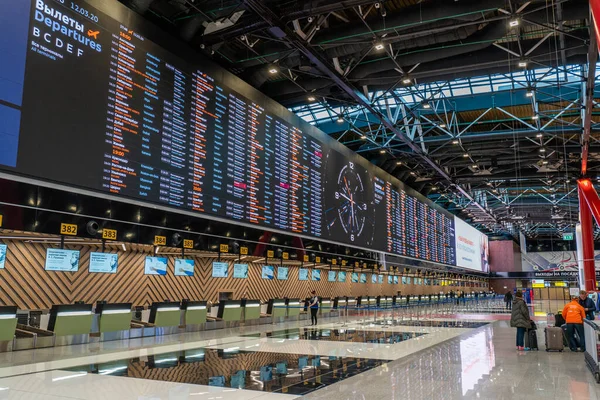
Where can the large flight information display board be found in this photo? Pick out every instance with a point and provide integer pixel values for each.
(89, 102)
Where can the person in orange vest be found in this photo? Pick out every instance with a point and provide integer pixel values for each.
(574, 315)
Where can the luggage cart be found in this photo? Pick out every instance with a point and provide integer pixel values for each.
(592, 338)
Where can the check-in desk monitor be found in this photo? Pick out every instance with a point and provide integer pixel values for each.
(351, 302)
(195, 312)
(339, 302)
(114, 316)
(8, 322)
(165, 313)
(326, 304)
(251, 309)
(70, 319)
(230, 310)
(277, 308)
(294, 306)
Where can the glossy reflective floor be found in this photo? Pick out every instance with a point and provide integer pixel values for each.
(340, 335)
(232, 368)
(446, 363)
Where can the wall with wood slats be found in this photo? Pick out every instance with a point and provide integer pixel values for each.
(26, 284)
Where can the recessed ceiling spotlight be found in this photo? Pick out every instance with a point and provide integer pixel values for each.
(513, 23)
(363, 137)
(426, 105)
(340, 118)
(406, 80)
(455, 142)
(413, 173)
(398, 162)
(535, 117)
(442, 125)
(542, 150)
(539, 135)
(273, 69)
(379, 46)
(311, 98)
(474, 166)
(465, 155)
(529, 93)
(382, 151)
(545, 162)
(522, 64)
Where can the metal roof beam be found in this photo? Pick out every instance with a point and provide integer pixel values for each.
(279, 30)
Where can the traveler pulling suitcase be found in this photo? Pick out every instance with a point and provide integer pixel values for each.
(554, 338)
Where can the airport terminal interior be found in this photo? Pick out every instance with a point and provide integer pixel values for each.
(306, 199)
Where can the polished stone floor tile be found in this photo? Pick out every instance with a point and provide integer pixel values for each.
(447, 362)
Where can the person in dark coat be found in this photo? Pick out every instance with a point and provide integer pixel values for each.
(520, 319)
(508, 298)
(587, 304)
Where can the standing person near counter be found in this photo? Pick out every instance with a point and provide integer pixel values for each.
(508, 298)
(520, 319)
(314, 307)
(574, 315)
(588, 305)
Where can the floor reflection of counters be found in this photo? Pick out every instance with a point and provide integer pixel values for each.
(234, 368)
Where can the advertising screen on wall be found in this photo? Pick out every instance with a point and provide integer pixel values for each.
(303, 274)
(103, 262)
(395, 280)
(220, 269)
(184, 267)
(268, 272)
(331, 276)
(363, 278)
(240, 271)
(282, 273)
(62, 260)
(342, 276)
(161, 123)
(380, 279)
(316, 275)
(155, 266)
(373, 278)
(3, 251)
(354, 277)
(472, 250)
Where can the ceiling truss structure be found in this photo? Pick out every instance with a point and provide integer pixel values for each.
(480, 105)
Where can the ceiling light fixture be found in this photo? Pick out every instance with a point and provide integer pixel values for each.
(273, 69)
(379, 46)
(474, 166)
(398, 162)
(442, 125)
(406, 80)
(513, 23)
(539, 135)
(340, 118)
(529, 93)
(466, 155)
(522, 64)
(535, 117)
(542, 150)
(363, 137)
(382, 151)
(545, 162)
(311, 98)
(455, 142)
(426, 105)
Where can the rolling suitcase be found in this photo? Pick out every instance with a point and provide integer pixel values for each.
(554, 338)
(531, 340)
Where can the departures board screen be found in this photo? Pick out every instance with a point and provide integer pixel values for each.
(89, 101)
